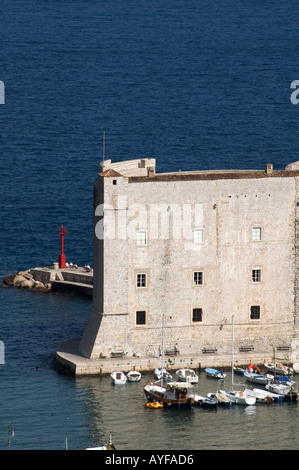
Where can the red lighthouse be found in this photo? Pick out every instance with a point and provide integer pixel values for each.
(62, 231)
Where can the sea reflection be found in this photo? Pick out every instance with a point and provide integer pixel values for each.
(120, 410)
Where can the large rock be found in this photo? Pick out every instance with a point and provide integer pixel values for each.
(25, 280)
(20, 281)
(8, 280)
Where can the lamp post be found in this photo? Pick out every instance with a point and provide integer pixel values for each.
(62, 231)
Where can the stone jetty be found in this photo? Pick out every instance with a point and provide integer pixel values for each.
(52, 278)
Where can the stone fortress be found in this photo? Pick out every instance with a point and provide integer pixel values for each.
(176, 255)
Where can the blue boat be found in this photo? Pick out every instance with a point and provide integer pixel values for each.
(216, 374)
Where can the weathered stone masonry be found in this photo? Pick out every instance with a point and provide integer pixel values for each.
(244, 261)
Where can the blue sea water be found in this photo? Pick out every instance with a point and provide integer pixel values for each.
(197, 85)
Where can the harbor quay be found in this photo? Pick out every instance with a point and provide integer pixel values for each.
(69, 360)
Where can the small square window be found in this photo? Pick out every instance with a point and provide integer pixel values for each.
(197, 315)
(255, 312)
(141, 237)
(141, 280)
(256, 233)
(256, 275)
(197, 278)
(140, 317)
(198, 235)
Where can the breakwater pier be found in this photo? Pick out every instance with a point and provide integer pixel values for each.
(75, 279)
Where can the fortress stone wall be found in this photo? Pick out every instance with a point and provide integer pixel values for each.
(184, 252)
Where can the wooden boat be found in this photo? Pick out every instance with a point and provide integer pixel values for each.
(187, 375)
(174, 394)
(118, 378)
(216, 374)
(162, 373)
(257, 378)
(133, 376)
(278, 369)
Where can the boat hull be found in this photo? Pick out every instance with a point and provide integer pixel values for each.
(134, 376)
(214, 373)
(187, 375)
(118, 378)
(256, 378)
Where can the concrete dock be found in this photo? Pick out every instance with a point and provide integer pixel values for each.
(72, 279)
(69, 360)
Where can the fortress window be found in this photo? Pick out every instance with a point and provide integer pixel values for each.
(141, 280)
(197, 315)
(140, 317)
(255, 312)
(198, 235)
(141, 237)
(256, 233)
(256, 275)
(197, 278)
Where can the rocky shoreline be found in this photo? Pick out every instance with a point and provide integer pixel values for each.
(25, 280)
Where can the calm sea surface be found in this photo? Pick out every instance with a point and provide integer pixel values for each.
(197, 85)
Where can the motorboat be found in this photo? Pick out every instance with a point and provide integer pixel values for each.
(215, 373)
(174, 394)
(265, 396)
(278, 369)
(257, 378)
(245, 397)
(239, 370)
(133, 376)
(187, 375)
(221, 398)
(280, 389)
(118, 378)
(282, 379)
(205, 402)
(162, 373)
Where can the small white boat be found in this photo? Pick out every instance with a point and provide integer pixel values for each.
(187, 375)
(118, 378)
(257, 378)
(295, 368)
(133, 376)
(278, 369)
(265, 396)
(216, 374)
(162, 373)
(280, 389)
(245, 397)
